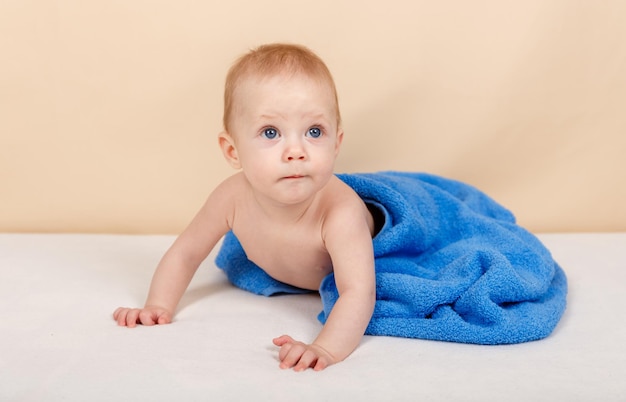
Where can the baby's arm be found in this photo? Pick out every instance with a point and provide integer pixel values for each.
(349, 244)
(180, 263)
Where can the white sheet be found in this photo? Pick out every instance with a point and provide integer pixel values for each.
(59, 342)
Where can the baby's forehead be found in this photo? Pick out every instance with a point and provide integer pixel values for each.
(271, 83)
(256, 79)
(252, 84)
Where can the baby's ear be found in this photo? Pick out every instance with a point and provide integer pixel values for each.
(339, 141)
(229, 149)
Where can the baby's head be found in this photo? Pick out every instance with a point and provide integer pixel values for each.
(271, 60)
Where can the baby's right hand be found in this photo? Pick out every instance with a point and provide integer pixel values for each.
(149, 315)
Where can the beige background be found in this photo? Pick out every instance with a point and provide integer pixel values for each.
(109, 109)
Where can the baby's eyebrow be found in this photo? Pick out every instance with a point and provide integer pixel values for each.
(319, 116)
(267, 116)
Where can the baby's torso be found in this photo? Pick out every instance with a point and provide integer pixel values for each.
(292, 254)
(288, 242)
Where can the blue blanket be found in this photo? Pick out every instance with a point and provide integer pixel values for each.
(451, 265)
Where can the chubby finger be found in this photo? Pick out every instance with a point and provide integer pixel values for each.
(284, 350)
(120, 315)
(292, 357)
(308, 359)
(132, 316)
(321, 364)
(164, 318)
(117, 312)
(283, 339)
(146, 318)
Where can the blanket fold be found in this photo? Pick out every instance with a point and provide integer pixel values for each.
(451, 265)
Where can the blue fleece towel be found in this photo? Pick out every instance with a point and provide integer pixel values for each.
(451, 265)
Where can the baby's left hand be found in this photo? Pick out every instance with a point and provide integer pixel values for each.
(301, 356)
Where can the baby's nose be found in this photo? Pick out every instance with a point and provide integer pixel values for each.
(295, 157)
(295, 151)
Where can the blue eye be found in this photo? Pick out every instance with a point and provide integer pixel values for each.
(314, 132)
(269, 133)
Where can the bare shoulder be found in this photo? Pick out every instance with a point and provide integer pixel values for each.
(211, 222)
(221, 203)
(343, 197)
(232, 185)
(345, 210)
(228, 190)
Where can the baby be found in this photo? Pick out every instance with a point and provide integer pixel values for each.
(294, 218)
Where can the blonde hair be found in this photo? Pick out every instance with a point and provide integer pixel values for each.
(273, 59)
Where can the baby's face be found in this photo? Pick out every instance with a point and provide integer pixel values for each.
(286, 135)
